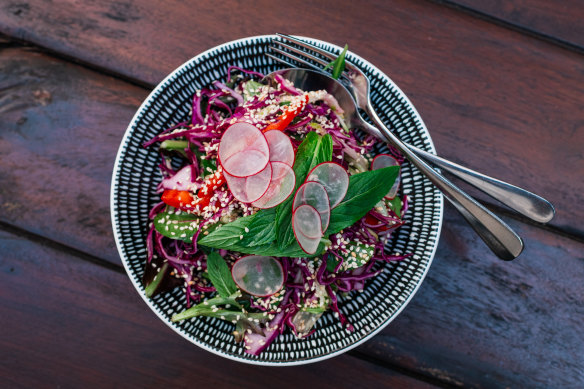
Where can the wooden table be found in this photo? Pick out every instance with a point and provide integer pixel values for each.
(500, 86)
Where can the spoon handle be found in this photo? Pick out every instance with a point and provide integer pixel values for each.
(500, 238)
(529, 204)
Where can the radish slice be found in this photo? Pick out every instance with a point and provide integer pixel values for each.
(314, 194)
(257, 275)
(334, 178)
(386, 160)
(180, 181)
(249, 189)
(281, 186)
(280, 146)
(243, 150)
(307, 228)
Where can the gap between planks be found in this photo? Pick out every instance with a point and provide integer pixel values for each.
(10, 42)
(43, 241)
(510, 26)
(7, 41)
(446, 382)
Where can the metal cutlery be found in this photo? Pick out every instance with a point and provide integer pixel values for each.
(503, 241)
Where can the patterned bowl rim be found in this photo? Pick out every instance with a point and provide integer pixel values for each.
(150, 303)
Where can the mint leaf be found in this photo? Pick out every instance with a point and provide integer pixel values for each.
(365, 190)
(249, 231)
(176, 226)
(220, 275)
(229, 239)
(312, 151)
(338, 64)
(262, 228)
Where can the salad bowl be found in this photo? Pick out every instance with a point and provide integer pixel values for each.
(133, 194)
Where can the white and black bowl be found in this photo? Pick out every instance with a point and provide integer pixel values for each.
(136, 175)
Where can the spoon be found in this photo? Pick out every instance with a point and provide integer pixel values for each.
(498, 236)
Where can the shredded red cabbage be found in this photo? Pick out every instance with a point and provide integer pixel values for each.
(308, 284)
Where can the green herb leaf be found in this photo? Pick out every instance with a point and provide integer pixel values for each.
(220, 275)
(152, 286)
(227, 235)
(315, 310)
(261, 230)
(229, 239)
(208, 166)
(365, 190)
(312, 151)
(395, 205)
(251, 88)
(223, 314)
(173, 144)
(177, 226)
(362, 255)
(338, 64)
(209, 308)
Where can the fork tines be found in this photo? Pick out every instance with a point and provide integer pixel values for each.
(301, 56)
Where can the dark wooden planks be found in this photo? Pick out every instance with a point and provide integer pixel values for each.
(478, 321)
(60, 129)
(559, 20)
(499, 101)
(68, 323)
(554, 75)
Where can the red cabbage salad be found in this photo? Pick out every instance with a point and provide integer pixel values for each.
(271, 209)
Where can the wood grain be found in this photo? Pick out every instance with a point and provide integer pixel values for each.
(561, 20)
(494, 99)
(478, 321)
(67, 323)
(475, 322)
(61, 128)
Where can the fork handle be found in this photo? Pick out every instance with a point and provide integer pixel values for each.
(529, 204)
(497, 235)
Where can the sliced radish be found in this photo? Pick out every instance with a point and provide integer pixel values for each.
(280, 146)
(257, 275)
(249, 189)
(243, 150)
(334, 178)
(314, 194)
(307, 228)
(280, 188)
(244, 163)
(180, 181)
(386, 160)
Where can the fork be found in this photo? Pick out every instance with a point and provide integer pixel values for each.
(527, 203)
(498, 236)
